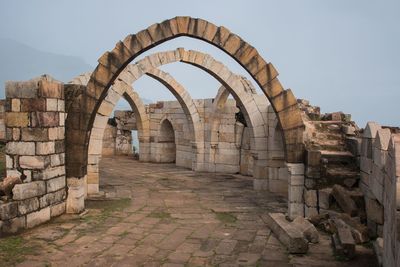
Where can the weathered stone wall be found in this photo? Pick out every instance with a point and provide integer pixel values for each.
(380, 177)
(34, 153)
(117, 137)
(2, 122)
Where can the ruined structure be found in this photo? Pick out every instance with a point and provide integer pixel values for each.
(56, 134)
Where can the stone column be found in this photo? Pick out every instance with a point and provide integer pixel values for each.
(78, 102)
(296, 188)
(35, 150)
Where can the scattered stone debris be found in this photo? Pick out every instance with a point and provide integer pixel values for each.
(344, 200)
(294, 235)
(343, 243)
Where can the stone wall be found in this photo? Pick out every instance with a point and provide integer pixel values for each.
(2, 122)
(380, 177)
(34, 153)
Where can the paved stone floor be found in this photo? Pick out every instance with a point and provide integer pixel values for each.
(161, 215)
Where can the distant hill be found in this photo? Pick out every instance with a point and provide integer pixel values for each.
(22, 62)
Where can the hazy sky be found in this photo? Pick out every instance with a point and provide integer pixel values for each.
(340, 54)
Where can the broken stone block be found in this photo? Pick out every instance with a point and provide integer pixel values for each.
(374, 210)
(307, 228)
(343, 243)
(358, 231)
(325, 198)
(344, 200)
(348, 129)
(291, 237)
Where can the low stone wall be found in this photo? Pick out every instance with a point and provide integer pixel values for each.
(34, 153)
(380, 183)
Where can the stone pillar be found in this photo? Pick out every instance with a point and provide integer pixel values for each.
(78, 102)
(35, 150)
(296, 188)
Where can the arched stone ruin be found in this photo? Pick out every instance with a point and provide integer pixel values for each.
(54, 134)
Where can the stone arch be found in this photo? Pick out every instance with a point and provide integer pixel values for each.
(235, 84)
(166, 146)
(112, 63)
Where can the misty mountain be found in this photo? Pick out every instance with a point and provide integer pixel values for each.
(22, 62)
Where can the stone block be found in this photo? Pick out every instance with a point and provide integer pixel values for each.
(35, 134)
(14, 225)
(57, 209)
(15, 105)
(8, 210)
(278, 186)
(310, 198)
(325, 198)
(308, 229)
(17, 119)
(53, 198)
(38, 217)
(50, 172)
(45, 148)
(310, 211)
(26, 89)
(344, 200)
(32, 162)
(29, 190)
(260, 184)
(56, 184)
(20, 148)
(51, 104)
(45, 119)
(374, 210)
(295, 209)
(295, 168)
(36, 104)
(296, 180)
(296, 194)
(51, 89)
(28, 205)
(343, 243)
(292, 238)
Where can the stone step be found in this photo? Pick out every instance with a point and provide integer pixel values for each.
(335, 156)
(342, 172)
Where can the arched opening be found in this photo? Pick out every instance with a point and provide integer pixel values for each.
(166, 147)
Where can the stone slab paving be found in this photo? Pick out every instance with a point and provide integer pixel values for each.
(161, 215)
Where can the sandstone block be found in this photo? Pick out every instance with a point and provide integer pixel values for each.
(8, 210)
(292, 238)
(34, 134)
(50, 172)
(17, 119)
(325, 198)
(374, 210)
(45, 148)
(20, 148)
(26, 89)
(343, 243)
(38, 217)
(308, 229)
(344, 200)
(51, 104)
(28, 205)
(57, 209)
(14, 225)
(32, 162)
(36, 104)
(52, 198)
(15, 105)
(29, 190)
(45, 119)
(56, 184)
(310, 198)
(8, 184)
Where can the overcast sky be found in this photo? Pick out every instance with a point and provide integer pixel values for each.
(340, 54)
